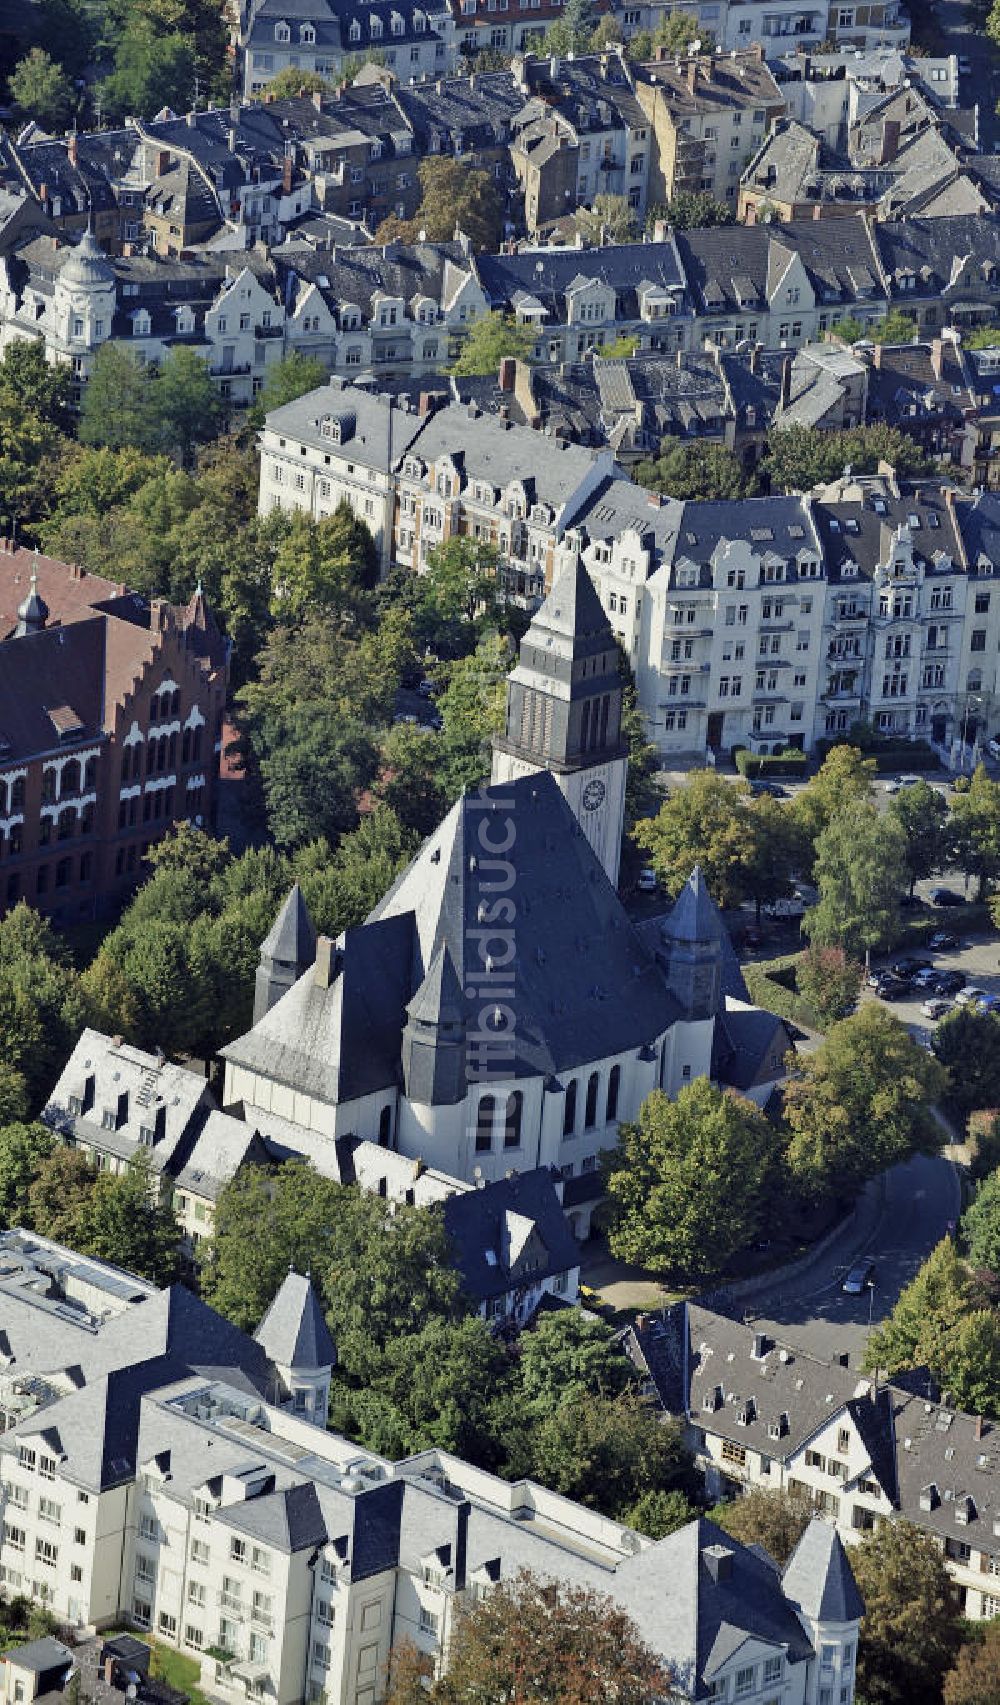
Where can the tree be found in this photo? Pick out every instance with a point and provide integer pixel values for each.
(680, 30)
(30, 449)
(911, 1632)
(860, 1102)
(829, 982)
(454, 198)
(410, 783)
(529, 1639)
(981, 1225)
(774, 1518)
(709, 822)
(267, 1220)
(430, 1388)
(609, 219)
(897, 327)
(186, 405)
(323, 567)
(859, 871)
(115, 408)
(341, 888)
(491, 339)
(35, 386)
(59, 1196)
(845, 777)
(847, 329)
(14, 1101)
(975, 827)
(658, 1513)
(292, 81)
(778, 851)
(151, 71)
(922, 814)
(41, 90)
(298, 373)
(23, 1148)
(472, 711)
(608, 1452)
(568, 1356)
(456, 596)
(688, 1183)
(572, 31)
(692, 209)
(798, 458)
(966, 1043)
(694, 470)
(975, 1678)
(926, 1315)
(125, 1221)
(42, 1008)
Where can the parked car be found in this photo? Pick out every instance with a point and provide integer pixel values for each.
(909, 966)
(964, 67)
(647, 883)
(942, 941)
(946, 897)
(949, 982)
(988, 1003)
(970, 995)
(861, 1275)
(926, 978)
(892, 989)
(774, 788)
(910, 781)
(935, 1007)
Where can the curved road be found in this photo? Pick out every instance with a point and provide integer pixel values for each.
(922, 1198)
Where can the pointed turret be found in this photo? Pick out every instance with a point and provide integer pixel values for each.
(564, 711)
(819, 1580)
(295, 1335)
(286, 952)
(434, 1037)
(32, 612)
(694, 935)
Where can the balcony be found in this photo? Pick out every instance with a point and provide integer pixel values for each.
(230, 1601)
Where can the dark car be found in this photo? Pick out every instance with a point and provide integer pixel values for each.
(910, 966)
(892, 989)
(942, 942)
(773, 788)
(946, 897)
(949, 983)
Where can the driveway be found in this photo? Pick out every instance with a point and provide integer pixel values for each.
(921, 1201)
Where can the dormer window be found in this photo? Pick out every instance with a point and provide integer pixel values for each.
(375, 27)
(354, 33)
(307, 34)
(397, 24)
(140, 323)
(282, 32)
(419, 22)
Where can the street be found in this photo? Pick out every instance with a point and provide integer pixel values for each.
(961, 35)
(921, 1201)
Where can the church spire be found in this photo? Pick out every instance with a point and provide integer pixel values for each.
(564, 711)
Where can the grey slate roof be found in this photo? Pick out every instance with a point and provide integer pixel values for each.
(377, 432)
(547, 274)
(861, 532)
(488, 449)
(292, 937)
(290, 1519)
(478, 1221)
(836, 253)
(818, 1577)
(694, 916)
(39, 1655)
(294, 1332)
(749, 1046)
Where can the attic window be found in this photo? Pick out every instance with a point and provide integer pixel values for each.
(65, 722)
(282, 32)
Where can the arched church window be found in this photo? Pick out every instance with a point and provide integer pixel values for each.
(484, 1123)
(590, 1113)
(512, 1121)
(585, 726)
(569, 1109)
(614, 1084)
(605, 711)
(385, 1127)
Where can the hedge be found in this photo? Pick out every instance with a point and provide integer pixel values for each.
(754, 764)
(771, 984)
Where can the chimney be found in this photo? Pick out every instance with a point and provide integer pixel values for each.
(978, 1428)
(158, 615)
(691, 75)
(317, 99)
(937, 352)
(325, 966)
(890, 141)
(786, 380)
(161, 162)
(755, 358)
(508, 369)
(192, 120)
(718, 1560)
(286, 175)
(877, 355)
(43, 193)
(72, 147)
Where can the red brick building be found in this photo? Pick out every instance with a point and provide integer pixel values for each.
(110, 725)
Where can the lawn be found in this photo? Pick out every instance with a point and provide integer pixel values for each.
(175, 1668)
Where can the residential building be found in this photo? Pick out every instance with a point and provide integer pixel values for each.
(193, 1494)
(709, 115)
(337, 445)
(759, 1412)
(737, 24)
(580, 300)
(943, 271)
(828, 91)
(319, 35)
(110, 731)
(582, 132)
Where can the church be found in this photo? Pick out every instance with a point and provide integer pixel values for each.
(499, 1011)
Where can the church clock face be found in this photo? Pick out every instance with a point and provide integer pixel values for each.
(593, 795)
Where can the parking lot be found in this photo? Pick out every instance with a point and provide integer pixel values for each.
(978, 959)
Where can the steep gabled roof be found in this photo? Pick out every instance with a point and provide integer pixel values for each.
(292, 937)
(695, 916)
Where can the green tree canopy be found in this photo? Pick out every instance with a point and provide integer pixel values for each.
(975, 828)
(747, 848)
(186, 405)
(151, 71)
(860, 1102)
(692, 209)
(860, 871)
(944, 1321)
(829, 982)
(910, 1633)
(568, 1356)
(491, 339)
(772, 1517)
(688, 1183)
(23, 1148)
(41, 90)
(323, 567)
(975, 1678)
(897, 327)
(845, 777)
(36, 386)
(42, 1007)
(967, 1043)
(981, 1224)
(454, 197)
(297, 374)
(692, 470)
(922, 814)
(798, 458)
(115, 408)
(609, 218)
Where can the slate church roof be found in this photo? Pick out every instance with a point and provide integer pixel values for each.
(294, 1332)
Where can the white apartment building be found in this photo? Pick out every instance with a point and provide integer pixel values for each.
(763, 1413)
(192, 1495)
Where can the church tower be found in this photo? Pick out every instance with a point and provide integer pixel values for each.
(286, 952)
(564, 712)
